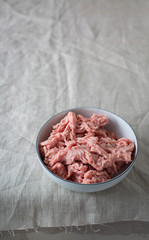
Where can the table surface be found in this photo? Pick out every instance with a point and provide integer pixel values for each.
(57, 55)
(114, 231)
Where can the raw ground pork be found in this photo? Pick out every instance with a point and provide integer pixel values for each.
(81, 150)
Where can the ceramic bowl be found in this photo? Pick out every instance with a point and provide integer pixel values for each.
(116, 124)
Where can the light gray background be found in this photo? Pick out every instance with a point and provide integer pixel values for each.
(56, 55)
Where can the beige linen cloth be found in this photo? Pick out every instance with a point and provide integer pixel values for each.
(56, 55)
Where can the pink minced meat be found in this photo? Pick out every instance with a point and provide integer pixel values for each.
(81, 150)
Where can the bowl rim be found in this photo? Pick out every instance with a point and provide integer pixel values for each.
(84, 184)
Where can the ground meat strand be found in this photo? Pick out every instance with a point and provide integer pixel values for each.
(81, 150)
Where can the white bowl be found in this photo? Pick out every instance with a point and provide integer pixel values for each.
(116, 124)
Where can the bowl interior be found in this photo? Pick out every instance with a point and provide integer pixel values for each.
(116, 125)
